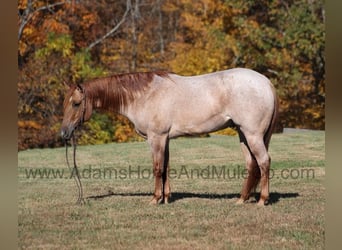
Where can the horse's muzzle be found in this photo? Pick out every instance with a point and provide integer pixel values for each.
(66, 133)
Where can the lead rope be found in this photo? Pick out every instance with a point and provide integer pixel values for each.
(74, 171)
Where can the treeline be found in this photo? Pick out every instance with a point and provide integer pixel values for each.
(81, 39)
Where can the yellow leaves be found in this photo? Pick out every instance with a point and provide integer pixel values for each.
(22, 4)
(253, 24)
(30, 35)
(184, 36)
(227, 131)
(208, 54)
(22, 47)
(124, 130)
(57, 43)
(191, 21)
(82, 68)
(201, 14)
(29, 31)
(197, 59)
(121, 133)
(315, 113)
(203, 46)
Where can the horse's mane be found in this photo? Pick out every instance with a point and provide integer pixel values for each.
(115, 91)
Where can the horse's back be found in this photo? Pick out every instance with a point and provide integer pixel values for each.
(242, 77)
(242, 95)
(205, 103)
(238, 85)
(247, 84)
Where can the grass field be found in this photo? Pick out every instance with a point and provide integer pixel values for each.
(207, 177)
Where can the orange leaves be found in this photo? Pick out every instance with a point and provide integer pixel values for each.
(283, 40)
(29, 124)
(51, 25)
(88, 19)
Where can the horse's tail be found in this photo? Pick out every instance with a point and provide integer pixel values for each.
(268, 134)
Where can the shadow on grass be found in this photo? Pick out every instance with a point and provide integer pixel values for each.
(274, 196)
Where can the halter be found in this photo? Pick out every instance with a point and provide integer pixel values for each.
(84, 105)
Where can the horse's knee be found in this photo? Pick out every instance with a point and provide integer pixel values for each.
(261, 155)
(157, 170)
(264, 164)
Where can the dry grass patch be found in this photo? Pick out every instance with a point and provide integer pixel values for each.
(202, 215)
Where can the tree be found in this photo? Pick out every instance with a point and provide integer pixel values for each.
(285, 41)
(77, 40)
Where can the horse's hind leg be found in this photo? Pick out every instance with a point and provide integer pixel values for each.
(165, 177)
(253, 178)
(258, 149)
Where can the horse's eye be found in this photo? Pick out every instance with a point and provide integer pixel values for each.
(76, 105)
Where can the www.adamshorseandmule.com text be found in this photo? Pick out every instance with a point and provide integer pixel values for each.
(183, 172)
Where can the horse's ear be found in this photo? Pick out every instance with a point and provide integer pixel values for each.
(79, 88)
(66, 84)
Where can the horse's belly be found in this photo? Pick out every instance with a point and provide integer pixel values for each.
(199, 126)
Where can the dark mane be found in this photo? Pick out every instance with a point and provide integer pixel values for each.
(114, 92)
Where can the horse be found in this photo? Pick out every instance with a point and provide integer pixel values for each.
(164, 105)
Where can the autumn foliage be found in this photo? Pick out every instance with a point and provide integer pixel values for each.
(78, 40)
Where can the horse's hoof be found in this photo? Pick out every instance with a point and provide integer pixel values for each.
(167, 198)
(262, 203)
(240, 201)
(155, 201)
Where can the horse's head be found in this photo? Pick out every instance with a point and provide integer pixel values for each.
(77, 109)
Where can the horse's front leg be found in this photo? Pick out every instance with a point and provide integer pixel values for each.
(158, 146)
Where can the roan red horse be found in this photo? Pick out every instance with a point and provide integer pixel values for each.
(163, 106)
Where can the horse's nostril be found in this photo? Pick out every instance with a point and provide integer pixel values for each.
(64, 134)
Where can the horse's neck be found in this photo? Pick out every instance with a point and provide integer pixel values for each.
(107, 96)
(117, 93)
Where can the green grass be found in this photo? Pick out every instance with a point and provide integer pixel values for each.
(202, 214)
